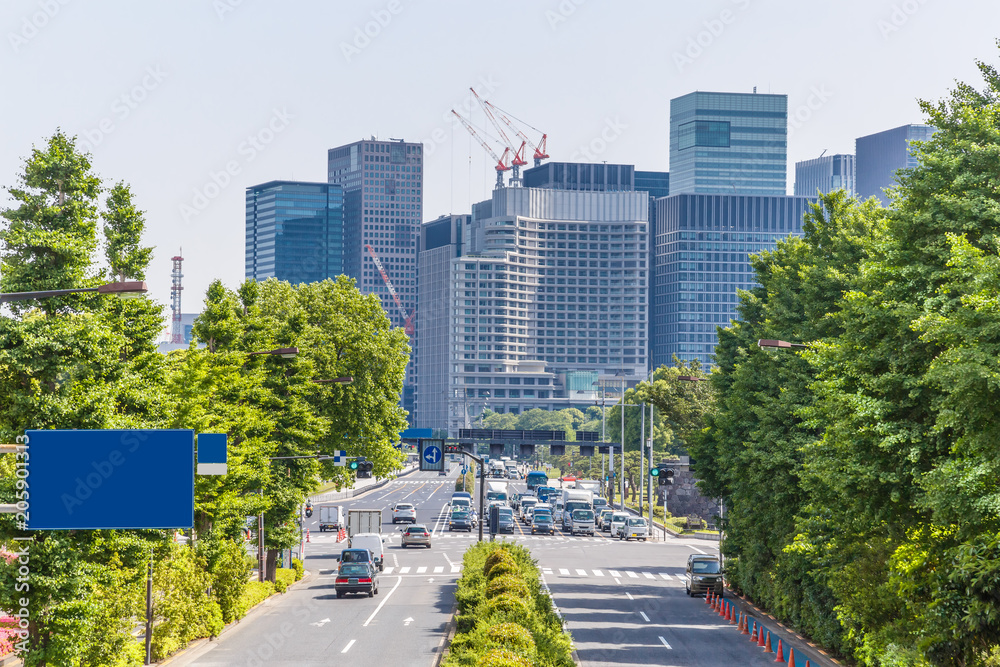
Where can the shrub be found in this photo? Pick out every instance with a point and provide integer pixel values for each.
(230, 567)
(511, 635)
(503, 569)
(184, 610)
(255, 593)
(509, 607)
(499, 657)
(299, 569)
(283, 578)
(499, 555)
(506, 584)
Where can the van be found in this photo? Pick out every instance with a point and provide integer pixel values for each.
(704, 573)
(582, 521)
(461, 502)
(374, 543)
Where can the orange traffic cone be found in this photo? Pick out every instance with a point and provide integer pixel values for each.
(760, 637)
(767, 644)
(753, 635)
(308, 538)
(745, 630)
(715, 603)
(722, 608)
(708, 597)
(791, 657)
(781, 652)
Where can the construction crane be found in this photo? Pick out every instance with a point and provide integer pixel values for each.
(518, 160)
(540, 149)
(501, 165)
(408, 319)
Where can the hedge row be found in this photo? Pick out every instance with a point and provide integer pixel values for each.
(505, 618)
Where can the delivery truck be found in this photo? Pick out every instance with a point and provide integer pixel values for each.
(363, 521)
(331, 517)
(575, 499)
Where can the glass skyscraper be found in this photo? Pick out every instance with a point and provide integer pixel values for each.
(881, 155)
(383, 185)
(294, 231)
(825, 174)
(728, 143)
(703, 243)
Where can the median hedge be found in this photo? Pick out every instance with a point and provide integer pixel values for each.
(505, 617)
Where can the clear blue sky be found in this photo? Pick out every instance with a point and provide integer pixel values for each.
(168, 93)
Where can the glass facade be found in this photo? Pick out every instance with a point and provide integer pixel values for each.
(881, 155)
(294, 231)
(825, 174)
(728, 143)
(586, 177)
(702, 249)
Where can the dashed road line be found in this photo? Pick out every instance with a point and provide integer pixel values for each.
(665, 643)
(644, 617)
(349, 645)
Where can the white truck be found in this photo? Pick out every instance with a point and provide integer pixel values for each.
(363, 521)
(496, 490)
(589, 485)
(331, 517)
(575, 499)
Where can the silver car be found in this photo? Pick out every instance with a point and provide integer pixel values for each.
(416, 535)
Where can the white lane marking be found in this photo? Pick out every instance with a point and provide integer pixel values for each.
(644, 617)
(648, 575)
(320, 624)
(389, 570)
(698, 550)
(399, 580)
(404, 570)
(439, 569)
(582, 573)
(349, 645)
(615, 573)
(632, 575)
(421, 569)
(629, 595)
(598, 573)
(665, 576)
(618, 581)
(665, 643)
(455, 569)
(395, 560)
(563, 570)
(547, 570)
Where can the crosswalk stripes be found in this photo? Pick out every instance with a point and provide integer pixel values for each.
(439, 569)
(578, 572)
(455, 569)
(648, 575)
(631, 575)
(422, 569)
(582, 573)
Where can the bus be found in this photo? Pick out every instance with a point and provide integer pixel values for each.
(535, 479)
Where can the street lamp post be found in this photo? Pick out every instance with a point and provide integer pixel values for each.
(129, 289)
(765, 343)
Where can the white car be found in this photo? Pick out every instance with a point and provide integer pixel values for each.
(618, 519)
(636, 527)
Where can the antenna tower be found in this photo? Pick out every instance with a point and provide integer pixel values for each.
(176, 329)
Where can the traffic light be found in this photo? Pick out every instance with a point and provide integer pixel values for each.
(654, 472)
(353, 464)
(362, 467)
(665, 475)
(453, 449)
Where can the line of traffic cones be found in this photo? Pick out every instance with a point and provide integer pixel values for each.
(759, 635)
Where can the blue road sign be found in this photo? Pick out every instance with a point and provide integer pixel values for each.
(83, 480)
(431, 454)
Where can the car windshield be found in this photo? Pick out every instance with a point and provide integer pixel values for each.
(404, 507)
(542, 516)
(506, 512)
(353, 569)
(705, 567)
(619, 518)
(416, 529)
(637, 522)
(354, 556)
(583, 515)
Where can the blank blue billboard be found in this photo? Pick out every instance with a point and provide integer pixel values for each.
(84, 480)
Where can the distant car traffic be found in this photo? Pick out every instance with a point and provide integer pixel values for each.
(355, 577)
(374, 543)
(618, 520)
(604, 519)
(460, 519)
(505, 520)
(541, 522)
(582, 522)
(416, 535)
(703, 574)
(634, 527)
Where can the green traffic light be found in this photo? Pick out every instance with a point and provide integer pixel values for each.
(654, 472)
(353, 465)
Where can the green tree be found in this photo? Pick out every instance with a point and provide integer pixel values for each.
(123, 228)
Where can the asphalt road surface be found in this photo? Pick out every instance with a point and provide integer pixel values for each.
(623, 602)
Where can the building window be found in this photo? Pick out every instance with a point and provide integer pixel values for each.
(710, 133)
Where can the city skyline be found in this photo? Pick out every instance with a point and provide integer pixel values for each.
(161, 105)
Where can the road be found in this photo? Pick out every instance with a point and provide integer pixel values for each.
(624, 602)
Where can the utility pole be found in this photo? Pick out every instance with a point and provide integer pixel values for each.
(149, 611)
(642, 456)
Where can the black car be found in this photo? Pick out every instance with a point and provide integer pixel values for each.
(460, 520)
(542, 523)
(356, 578)
(505, 520)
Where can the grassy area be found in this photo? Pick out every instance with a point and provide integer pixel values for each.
(673, 522)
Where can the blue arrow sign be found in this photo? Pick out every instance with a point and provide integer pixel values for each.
(432, 454)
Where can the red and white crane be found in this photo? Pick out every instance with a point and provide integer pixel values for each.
(539, 149)
(501, 165)
(518, 160)
(408, 319)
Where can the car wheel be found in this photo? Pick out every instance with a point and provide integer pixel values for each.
(376, 591)
(371, 592)
(381, 567)
(340, 594)
(404, 546)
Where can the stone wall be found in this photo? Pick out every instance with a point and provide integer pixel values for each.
(683, 496)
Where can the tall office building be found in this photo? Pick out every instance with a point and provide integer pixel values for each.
(294, 231)
(825, 174)
(581, 176)
(881, 155)
(703, 243)
(383, 195)
(546, 302)
(728, 143)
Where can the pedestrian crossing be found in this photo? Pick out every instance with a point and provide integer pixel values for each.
(437, 569)
(624, 574)
(528, 538)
